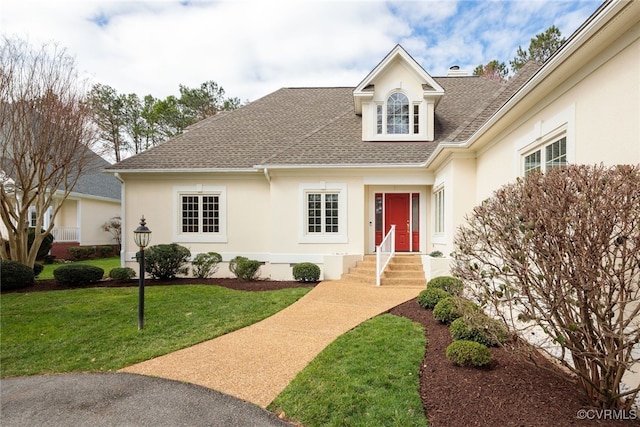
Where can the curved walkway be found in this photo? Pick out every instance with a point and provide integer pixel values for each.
(257, 362)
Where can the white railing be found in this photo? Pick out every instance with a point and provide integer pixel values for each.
(385, 252)
(66, 234)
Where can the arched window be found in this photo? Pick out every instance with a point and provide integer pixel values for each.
(398, 113)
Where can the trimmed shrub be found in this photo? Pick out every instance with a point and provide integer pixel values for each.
(77, 274)
(436, 254)
(166, 261)
(37, 268)
(49, 259)
(306, 272)
(431, 296)
(122, 273)
(105, 251)
(449, 309)
(447, 283)
(244, 268)
(468, 353)
(205, 265)
(80, 253)
(45, 246)
(15, 275)
(479, 328)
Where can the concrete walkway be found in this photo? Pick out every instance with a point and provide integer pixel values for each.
(257, 362)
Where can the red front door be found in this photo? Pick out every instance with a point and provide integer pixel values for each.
(397, 211)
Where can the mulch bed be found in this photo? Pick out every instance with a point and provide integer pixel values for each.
(511, 392)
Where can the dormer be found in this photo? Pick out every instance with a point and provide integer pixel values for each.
(397, 100)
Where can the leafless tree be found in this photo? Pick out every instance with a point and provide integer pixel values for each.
(562, 251)
(45, 135)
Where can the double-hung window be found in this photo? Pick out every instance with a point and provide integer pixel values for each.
(323, 213)
(201, 214)
(553, 154)
(438, 214)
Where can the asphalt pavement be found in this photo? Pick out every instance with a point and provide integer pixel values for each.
(122, 399)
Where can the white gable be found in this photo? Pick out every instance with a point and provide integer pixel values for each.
(397, 79)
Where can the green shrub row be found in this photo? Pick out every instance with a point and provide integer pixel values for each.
(90, 252)
(470, 328)
(77, 274)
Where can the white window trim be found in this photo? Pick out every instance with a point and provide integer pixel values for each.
(439, 215)
(303, 235)
(549, 139)
(384, 136)
(199, 190)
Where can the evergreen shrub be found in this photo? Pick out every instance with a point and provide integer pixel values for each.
(306, 272)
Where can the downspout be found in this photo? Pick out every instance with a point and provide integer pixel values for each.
(266, 175)
(122, 219)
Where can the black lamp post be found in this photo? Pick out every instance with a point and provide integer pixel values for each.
(142, 237)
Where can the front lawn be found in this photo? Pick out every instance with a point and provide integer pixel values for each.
(104, 263)
(368, 376)
(96, 329)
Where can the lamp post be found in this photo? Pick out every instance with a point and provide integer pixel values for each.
(142, 237)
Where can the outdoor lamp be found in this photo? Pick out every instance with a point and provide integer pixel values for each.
(142, 237)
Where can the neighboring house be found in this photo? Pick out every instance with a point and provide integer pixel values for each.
(320, 174)
(94, 200)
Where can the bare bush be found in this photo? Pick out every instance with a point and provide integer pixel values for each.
(562, 250)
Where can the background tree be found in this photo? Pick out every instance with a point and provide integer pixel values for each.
(562, 251)
(109, 114)
(45, 136)
(542, 46)
(493, 70)
(129, 125)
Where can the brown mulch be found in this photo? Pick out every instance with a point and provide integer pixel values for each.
(511, 392)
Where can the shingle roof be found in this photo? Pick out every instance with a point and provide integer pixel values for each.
(95, 182)
(318, 126)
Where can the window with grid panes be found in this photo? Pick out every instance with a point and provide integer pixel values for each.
(555, 155)
(322, 213)
(200, 213)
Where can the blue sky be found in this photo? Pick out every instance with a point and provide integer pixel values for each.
(252, 48)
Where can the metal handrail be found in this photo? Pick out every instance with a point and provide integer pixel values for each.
(385, 252)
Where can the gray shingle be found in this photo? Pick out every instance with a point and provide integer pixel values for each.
(317, 126)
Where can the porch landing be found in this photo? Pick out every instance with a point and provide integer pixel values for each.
(257, 362)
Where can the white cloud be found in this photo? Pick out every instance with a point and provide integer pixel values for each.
(254, 47)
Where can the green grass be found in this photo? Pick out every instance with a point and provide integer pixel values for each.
(104, 263)
(96, 329)
(369, 376)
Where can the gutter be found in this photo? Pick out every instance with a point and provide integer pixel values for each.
(122, 219)
(582, 35)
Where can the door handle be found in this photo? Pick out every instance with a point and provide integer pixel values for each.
(408, 228)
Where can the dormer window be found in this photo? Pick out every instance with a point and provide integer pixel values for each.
(398, 113)
(400, 118)
(397, 100)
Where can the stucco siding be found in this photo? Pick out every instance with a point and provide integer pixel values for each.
(94, 214)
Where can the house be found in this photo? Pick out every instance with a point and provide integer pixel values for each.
(93, 201)
(321, 174)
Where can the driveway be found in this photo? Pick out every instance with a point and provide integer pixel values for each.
(120, 399)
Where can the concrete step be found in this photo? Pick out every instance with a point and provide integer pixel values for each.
(403, 270)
